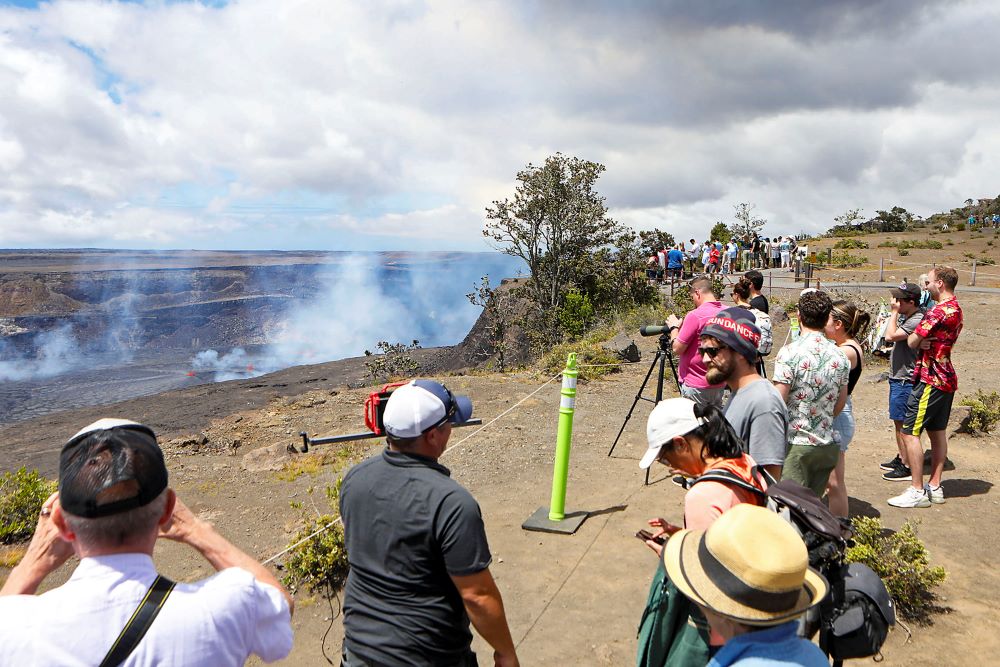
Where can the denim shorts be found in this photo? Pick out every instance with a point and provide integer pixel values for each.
(843, 426)
(899, 394)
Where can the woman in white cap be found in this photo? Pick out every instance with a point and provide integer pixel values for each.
(694, 439)
(749, 574)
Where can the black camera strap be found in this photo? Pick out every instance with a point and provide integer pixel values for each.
(142, 618)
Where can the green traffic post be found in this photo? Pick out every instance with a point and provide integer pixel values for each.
(554, 519)
(564, 440)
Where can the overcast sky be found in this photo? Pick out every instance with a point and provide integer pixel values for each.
(339, 124)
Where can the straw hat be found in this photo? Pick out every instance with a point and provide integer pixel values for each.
(750, 566)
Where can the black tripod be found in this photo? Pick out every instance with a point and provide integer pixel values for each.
(664, 352)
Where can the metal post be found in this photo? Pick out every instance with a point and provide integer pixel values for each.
(881, 269)
(806, 275)
(798, 269)
(829, 255)
(973, 273)
(770, 288)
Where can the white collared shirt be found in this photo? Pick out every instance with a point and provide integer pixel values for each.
(214, 622)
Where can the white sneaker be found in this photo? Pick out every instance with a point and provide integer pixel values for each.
(935, 495)
(911, 498)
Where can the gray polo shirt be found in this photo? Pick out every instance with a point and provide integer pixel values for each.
(408, 527)
(903, 358)
(759, 416)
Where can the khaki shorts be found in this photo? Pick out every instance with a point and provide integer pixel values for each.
(811, 465)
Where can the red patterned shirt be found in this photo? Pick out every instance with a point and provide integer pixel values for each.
(943, 323)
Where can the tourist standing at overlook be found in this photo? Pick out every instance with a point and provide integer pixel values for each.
(750, 596)
(112, 506)
(811, 374)
(417, 546)
(904, 317)
(846, 325)
(935, 384)
(684, 341)
(693, 440)
(756, 411)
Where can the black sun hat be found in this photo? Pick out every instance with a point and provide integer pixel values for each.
(110, 466)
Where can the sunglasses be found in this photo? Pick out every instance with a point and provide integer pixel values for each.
(449, 412)
(710, 351)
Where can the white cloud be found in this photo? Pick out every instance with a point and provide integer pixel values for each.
(381, 124)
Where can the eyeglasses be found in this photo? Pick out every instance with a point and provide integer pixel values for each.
(710, 351)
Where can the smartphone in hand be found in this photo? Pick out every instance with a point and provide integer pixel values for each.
(646, 535)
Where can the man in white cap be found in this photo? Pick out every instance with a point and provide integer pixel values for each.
(749, 573)
(112, 506)
(417, 546)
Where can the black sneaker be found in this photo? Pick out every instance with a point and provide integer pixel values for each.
(900, 473)
(892, 463)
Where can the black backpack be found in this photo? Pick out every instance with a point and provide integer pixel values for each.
(853, 621)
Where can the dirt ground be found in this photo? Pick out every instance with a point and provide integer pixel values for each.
(570, 599)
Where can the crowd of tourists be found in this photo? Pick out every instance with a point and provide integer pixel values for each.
(415, 538)
(736, 255)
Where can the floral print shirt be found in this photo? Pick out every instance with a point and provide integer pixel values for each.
(815, 369)
(943, 322)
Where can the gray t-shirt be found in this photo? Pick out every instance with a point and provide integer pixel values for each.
(408, 528)
(903, 357)
(758, 415)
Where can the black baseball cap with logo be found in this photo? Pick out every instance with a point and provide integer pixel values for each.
(110, 466)
(907, 291)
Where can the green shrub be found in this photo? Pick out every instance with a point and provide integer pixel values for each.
(960, 227)
(902, 561)
(888, 244)
(986, 261)
(949, 242)
(968, 255)
(850, 244)
(903, 252)
(319, 563)
(391, 360)
(846, 259)
(554, 360)
(576, 314)
(21, 496)
(985, 412)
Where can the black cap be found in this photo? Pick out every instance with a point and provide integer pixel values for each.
(906, 291)
(111, 466)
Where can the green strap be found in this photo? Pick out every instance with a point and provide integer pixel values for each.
(142, 618)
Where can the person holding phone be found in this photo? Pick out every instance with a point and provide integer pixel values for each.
(692, 439)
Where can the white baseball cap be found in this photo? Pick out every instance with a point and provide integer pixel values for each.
(420, 405)
(669, 419)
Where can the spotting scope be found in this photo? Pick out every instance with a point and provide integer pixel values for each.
(653, 329)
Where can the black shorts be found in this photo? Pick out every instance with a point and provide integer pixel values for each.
(927, 410)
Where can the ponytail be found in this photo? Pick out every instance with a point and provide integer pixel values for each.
(854, 319)
(718, 436)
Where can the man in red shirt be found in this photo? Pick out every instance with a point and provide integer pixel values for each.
(934, 386)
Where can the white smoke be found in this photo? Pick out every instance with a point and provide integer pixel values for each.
(363, 302)
(56, 352)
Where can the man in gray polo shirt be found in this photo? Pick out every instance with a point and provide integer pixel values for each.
(417, 546)
(755, 409)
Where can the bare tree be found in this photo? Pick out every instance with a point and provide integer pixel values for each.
(747, 224)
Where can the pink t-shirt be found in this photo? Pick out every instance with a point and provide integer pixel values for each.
(692, 371)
